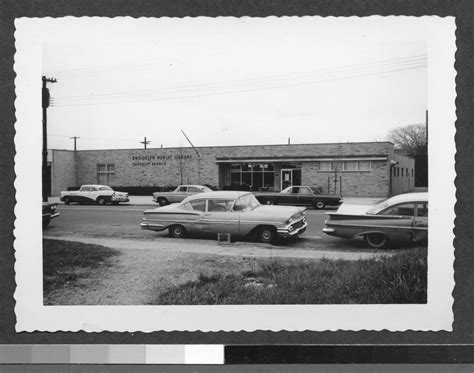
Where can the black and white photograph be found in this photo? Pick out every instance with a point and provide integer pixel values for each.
(291, 173)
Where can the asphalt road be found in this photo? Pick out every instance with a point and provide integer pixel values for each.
(122, 222)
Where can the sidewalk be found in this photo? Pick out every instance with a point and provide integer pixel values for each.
(148, 201)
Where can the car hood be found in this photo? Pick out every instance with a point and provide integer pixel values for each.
(275, 213)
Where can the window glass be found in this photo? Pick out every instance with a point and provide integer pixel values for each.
(193, 190)
(182, 189)
(219, 205)
(198, 204)
(105, 188)
(246, 202)
(337, 166)
(295, 190)
(404, 209)
(85, 189)
(402, 171)
(102, 167)
(350, 166)
(325, 166)
(305, 190)
(406, 172)
(364, 166)
(422, 208)
(93, 189)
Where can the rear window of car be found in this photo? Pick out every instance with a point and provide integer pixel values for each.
(304, 190)
(197, 205)
(403, 209)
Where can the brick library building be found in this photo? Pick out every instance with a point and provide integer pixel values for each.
(362, 169)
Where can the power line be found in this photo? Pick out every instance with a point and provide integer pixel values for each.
(371, 66)
(123, 99)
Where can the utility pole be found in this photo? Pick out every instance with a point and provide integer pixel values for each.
(45, 98)
(75, 138)
(145, 142)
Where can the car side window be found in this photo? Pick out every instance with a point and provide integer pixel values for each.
(219, 205)
(193, 190)
(198, 205)
(85, 189)
(422, 209)
(93, 189)
(182, 189)
(295, 190)
(305, 191)
(403, 209)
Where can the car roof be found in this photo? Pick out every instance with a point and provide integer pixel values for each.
(94, 185)
(222, 194)
(408, 197)
(193, 185)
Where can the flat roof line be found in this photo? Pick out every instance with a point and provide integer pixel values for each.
(238, 146)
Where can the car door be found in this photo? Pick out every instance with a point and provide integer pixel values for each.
(179, 194)
(93, 193)
(83, 195)
(420, 222)
(305, 196)
(396, 221)
(220, 217)
(291, 197)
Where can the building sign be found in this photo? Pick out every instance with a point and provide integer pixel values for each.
(158, 160)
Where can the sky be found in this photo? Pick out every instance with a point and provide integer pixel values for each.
(234, 83)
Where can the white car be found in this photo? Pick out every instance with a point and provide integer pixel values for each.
(100, 194)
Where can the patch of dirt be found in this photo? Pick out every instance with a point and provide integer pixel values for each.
(136, 277)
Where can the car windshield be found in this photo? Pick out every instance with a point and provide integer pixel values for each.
(206, 189)
(246, 202)
(105, 188)
(287, 190)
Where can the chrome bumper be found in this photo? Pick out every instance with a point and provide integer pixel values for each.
(329, 231)
(286, 232)
(152, 226)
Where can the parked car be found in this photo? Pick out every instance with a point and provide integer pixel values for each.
(49, 212)
(180, 193)
(236, 213)
(299, 196)
(400, 219)
(100, 194)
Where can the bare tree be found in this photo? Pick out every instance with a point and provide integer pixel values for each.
(410, 139)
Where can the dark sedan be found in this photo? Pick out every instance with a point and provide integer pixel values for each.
(299, 196)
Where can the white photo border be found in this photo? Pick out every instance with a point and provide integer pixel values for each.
(32, 315)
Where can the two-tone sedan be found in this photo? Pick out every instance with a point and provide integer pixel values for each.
(238, 214)
(398, 220)
(100, 194)
(180, 193)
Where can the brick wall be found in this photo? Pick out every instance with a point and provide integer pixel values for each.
(62, 171)
(162, 166)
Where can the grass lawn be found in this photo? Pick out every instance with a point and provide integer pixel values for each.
(401, 278)
(64, 262)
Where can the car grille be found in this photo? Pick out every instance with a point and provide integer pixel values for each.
(298, 224)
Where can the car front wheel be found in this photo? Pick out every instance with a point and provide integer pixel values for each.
(162, 201)
(101, 201)
(376, 240)
(267, 234)
(177, 231)
(268, 201)
(66, 201)
(319, 205)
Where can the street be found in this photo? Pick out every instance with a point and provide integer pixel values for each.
(122, 222)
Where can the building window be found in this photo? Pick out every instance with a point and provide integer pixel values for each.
(406, 172)
(345, 166)
(106, 174)
(402, 171)
(256, 175)
(412, 172)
